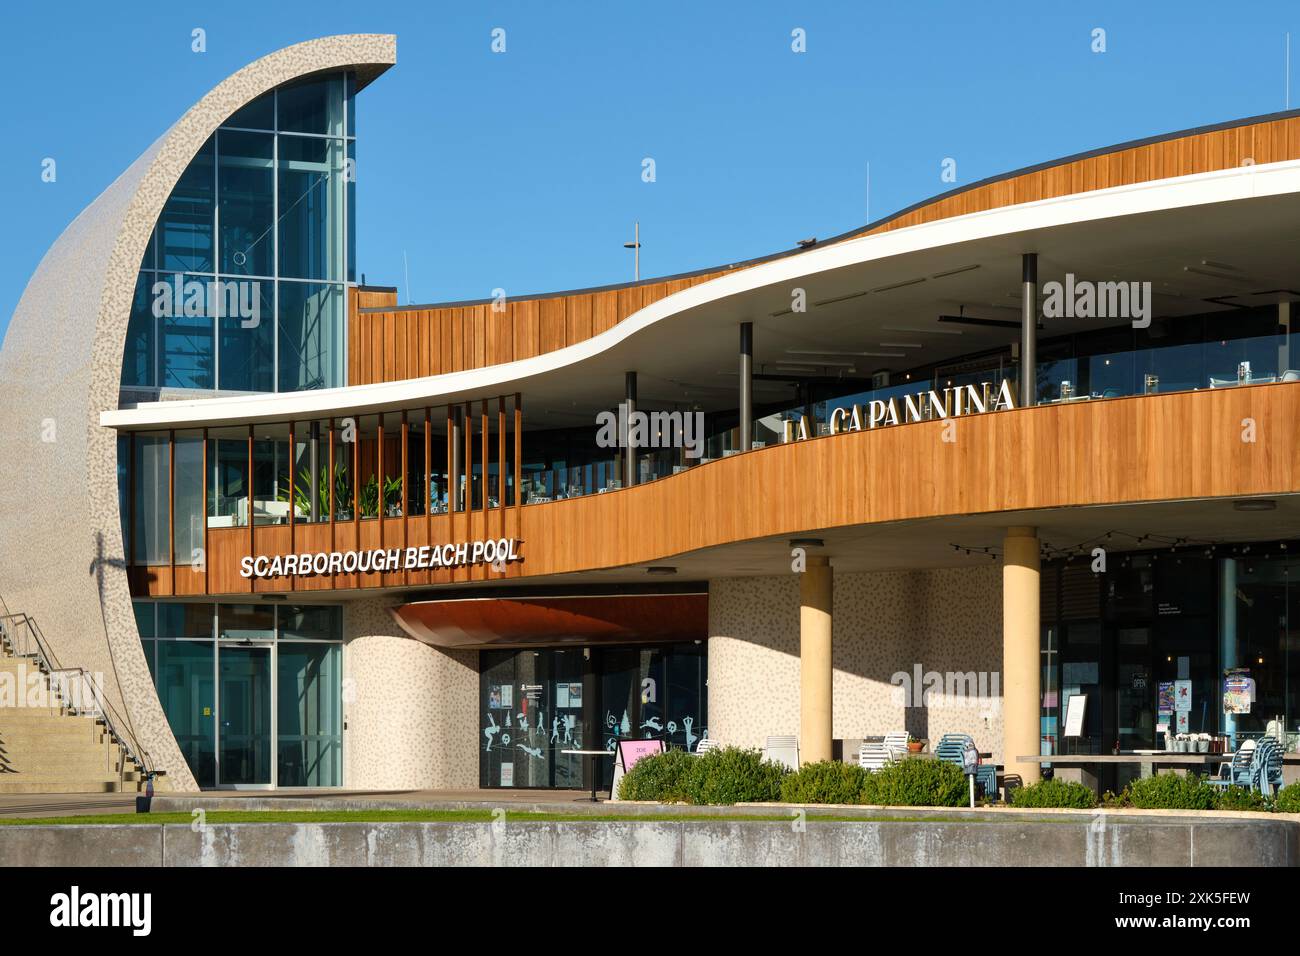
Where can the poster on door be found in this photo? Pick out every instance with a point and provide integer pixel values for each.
(1183, 696)
(1165, 698)
(1238, 690)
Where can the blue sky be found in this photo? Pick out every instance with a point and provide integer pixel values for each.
(522, 170)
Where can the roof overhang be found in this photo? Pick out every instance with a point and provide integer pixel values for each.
(685, 343)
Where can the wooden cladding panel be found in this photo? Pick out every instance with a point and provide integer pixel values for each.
(1120, 451)
(529, 327)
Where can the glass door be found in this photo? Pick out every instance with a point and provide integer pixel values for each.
(244, 716)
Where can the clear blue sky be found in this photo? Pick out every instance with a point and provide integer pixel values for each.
(523, 170)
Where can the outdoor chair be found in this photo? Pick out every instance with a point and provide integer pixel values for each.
(874, 754)
(1237, 771)
(1266, 769)
(896, 743)
(1290, 375)
(953, 746)
(706, 744)
(782, 750)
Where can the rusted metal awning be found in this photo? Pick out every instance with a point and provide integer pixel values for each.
(514, 622)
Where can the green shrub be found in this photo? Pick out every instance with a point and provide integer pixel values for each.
(1242, 798)
(733, 775)
(1288, 799)
(660, 777)
(827, 781)
(916, 783)
(1169, 791)
(1115, 801)
(1054, 793)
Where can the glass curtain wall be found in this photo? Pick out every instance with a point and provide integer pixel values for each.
(151, 476)
(1221, 622)
(537, 703)
(253, 692)
(242, 287)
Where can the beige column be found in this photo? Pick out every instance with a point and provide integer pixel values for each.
(816, 591)
(1021, 666)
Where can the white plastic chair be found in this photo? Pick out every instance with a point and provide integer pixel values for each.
(782, 750)
(896, 743)
(873, 755)
(706, 744)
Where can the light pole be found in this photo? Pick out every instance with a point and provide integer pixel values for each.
(635, 246)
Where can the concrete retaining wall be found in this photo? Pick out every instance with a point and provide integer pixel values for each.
(667, 842)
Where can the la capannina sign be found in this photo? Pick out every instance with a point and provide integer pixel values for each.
(921, 406)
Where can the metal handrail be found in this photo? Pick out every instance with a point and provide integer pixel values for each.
(30, 642)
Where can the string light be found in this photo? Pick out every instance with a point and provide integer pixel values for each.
(1068, 553)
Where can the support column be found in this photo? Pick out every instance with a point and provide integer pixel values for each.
(1021, 654)
(1284, 332)
(453, 478)
(746, 385)
(1029, 331)
(1227, 633)
(629, 446)
(313, 456)
(816, 593)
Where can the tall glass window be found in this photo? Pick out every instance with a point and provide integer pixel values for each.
(188, 359)
(253, 692)
(141, 336)
(246, 185)
(228, 477)
(186, 683)
(271, 473)
(261, 225)
(187, 528)
(312, 228)
(311, 335)
(535, 704)
(151, 470)
(185, 230)
(310, 714)
(247, 340)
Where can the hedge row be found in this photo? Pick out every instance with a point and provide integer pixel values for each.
(733, 775)
(1165, 791)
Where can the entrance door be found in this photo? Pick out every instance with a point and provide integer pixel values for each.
(244, 730)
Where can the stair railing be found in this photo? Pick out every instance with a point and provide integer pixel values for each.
(21, 636)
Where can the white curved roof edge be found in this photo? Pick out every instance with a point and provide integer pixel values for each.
(1219, 186)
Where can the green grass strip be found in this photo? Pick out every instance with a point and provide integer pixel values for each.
(480, 816)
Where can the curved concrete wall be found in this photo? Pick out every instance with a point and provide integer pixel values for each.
(61, 554)
(411, 709)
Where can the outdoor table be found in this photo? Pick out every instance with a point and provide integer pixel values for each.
(591, 764)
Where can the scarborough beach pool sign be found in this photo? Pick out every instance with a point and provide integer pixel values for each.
(494, 551)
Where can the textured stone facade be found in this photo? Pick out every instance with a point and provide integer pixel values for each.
(411, 709)
(949, 621)
(61, 558)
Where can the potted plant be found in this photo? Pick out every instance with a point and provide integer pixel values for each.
(914, 746)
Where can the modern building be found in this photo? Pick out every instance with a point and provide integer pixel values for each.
(1034, 440)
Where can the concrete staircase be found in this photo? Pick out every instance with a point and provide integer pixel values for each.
(45, 747)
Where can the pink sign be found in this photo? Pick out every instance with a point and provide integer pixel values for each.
(630, 751)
